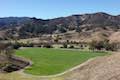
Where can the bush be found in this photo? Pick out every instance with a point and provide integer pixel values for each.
(111, 47)
(30, 45)
(103, 45)
(61, 47)
(65, 46)
(47, 46)
(99, 45)
(39, 46)
(16, 45)
(81, 46)
(71, 46)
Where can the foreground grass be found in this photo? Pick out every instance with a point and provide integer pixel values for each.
(54, 61)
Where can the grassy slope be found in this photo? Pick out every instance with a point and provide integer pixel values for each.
(53, 61)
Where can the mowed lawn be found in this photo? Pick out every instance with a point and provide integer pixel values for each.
(54, 61)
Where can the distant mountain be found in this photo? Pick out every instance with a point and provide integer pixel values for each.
(25, 27)
(13, 21)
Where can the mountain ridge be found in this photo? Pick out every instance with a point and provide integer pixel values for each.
(25, 27)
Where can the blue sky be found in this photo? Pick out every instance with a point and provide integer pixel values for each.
(47, 9)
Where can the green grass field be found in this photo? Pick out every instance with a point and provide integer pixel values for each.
(54, 61)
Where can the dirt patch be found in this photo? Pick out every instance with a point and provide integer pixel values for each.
(16, 63)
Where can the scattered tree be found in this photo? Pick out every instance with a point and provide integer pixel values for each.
(65, 45)
(100, 45)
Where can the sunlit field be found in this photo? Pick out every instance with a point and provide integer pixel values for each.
(54, 61)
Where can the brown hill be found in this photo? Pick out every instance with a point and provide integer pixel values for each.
(103, 68)
(84, 26)
(115, 37)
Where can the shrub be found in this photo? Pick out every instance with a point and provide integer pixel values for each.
(39, 46)
(47, 46)
(111, 47)
(65, 45)
(81, 46)
(99, 45)
(71, 46)
(103, 45)
(16, 45)
(61, 47)
(30, 45)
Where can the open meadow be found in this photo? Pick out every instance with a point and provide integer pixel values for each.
(54, 61)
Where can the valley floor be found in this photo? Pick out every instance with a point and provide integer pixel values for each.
(100, 68)
(50, 61)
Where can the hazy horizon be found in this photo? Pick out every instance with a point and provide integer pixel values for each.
(48, 9)
(59, 16)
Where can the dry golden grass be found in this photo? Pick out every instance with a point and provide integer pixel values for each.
(115, 37)
(103, 68)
